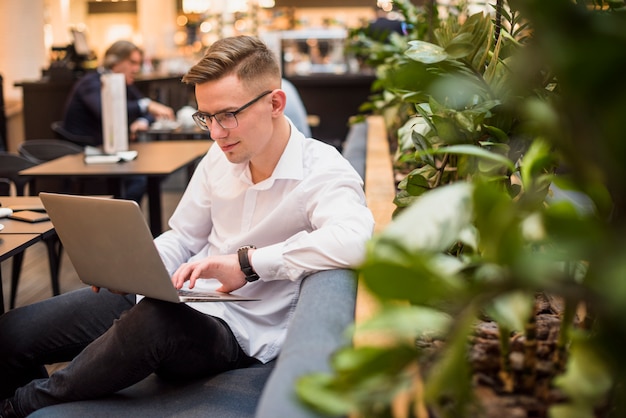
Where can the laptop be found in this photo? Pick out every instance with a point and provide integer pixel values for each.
(110, 245)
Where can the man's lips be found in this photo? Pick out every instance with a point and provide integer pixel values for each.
(228, 147)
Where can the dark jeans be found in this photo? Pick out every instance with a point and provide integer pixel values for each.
(111, 342)
(134, 188)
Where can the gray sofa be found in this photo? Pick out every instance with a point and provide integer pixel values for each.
(354, 148)
(325, 310)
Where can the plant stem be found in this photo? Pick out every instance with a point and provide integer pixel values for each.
(440, 170)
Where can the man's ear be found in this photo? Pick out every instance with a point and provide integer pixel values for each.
(279, 101)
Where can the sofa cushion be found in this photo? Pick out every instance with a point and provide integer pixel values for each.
(318, 328)
(233, 394)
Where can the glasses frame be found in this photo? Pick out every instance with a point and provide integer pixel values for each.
(200, 118)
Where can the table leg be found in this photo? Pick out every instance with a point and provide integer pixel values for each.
(115, 186)
(54, 259)
(1, 295)
(154, 205)
(15, 277)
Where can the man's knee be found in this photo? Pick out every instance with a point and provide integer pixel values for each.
(151, 318)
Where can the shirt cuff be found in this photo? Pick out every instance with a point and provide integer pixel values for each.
(267, 261)
(143, 104)
(142, 119)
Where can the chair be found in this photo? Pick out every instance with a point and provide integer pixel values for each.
(5, 187)
(3, 118)
(41, 150)
(64, 134)
(10, 166)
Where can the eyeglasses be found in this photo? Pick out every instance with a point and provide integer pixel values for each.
(227, 120)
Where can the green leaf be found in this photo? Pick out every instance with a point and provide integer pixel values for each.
(363, 363)
(458, 50)
(365, 378)
(416, 184)
(472, 150)
(447, 130)
(411, 76)
(417, 281)
(407, 321)
(497, 133)
(464, 121)
(403, 199)
(434, 222)
(587, 379)
(497, 221)
(316, 391)
(512, 310)
(449, 379)
(538, 159)
(426, 52)
(491, 71)
(571, 411)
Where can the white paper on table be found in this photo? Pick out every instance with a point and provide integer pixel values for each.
(118, 157)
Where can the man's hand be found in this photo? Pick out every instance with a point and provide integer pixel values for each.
(96, 289)
(224, 268)
(138, 125)
(160, 111)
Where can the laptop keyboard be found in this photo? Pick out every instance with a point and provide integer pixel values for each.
(195, 293)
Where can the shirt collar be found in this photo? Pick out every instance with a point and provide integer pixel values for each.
(290, 165)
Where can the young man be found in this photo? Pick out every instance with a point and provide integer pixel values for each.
(262, 184)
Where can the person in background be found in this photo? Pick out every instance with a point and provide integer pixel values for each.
(265, 208)
(83, 110)
(295, 110)
(382, 27)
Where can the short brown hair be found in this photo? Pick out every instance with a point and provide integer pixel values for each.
(246, 56)
(118, 52)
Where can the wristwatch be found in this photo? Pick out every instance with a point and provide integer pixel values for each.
(244, 263)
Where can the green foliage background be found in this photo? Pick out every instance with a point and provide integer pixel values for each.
(512, 136)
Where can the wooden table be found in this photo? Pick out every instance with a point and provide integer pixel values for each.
(155, 160)
(16, 236)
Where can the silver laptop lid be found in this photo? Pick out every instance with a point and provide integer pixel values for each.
(110, 245)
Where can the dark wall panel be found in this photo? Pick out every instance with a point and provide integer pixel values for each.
(325, 3)
(129, 6)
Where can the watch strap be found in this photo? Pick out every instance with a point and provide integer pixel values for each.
(244, 263)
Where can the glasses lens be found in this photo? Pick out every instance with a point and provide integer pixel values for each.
(200, 120)
(226, 120)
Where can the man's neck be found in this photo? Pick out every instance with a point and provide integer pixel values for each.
(263, 167)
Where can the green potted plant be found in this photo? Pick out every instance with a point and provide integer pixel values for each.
(481, 249)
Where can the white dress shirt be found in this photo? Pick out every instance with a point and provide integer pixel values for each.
(310, 215)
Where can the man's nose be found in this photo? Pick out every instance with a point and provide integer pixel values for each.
(215, 129)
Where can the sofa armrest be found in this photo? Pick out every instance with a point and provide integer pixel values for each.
(355, 147)
(324, 311)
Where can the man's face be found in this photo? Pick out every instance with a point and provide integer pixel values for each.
(254, 130)
(129, 67)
